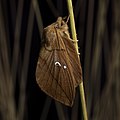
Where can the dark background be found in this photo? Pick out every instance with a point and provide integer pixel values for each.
(98, 32)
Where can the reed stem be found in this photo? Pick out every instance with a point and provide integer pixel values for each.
(73, 30)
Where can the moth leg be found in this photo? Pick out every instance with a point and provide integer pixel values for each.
(74, 41)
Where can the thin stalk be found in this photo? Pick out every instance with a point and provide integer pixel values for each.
(73, 30)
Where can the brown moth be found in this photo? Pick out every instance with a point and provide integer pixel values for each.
(58, 70)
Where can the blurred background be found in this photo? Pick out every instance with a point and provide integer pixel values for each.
(98, 32)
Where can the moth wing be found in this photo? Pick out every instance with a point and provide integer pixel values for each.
(74, 60)
(57, 81)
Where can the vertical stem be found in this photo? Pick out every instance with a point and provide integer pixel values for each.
(82, 95)
(73, 30)
(72, 22)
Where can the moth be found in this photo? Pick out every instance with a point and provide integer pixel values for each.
(58, 70)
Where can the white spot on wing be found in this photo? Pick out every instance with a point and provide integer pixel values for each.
(57, 64)
(64, 66)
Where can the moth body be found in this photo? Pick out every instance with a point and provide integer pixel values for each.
(58, 70)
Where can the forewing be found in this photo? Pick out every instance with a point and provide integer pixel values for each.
(56, 81)
(74, 60)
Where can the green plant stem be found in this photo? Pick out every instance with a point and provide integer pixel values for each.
(73, 30)
(72, 22)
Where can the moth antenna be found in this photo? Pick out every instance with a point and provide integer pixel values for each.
(67, 19)
(73, 40)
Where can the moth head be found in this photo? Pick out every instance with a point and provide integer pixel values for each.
(61, 24)
(62, 27)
